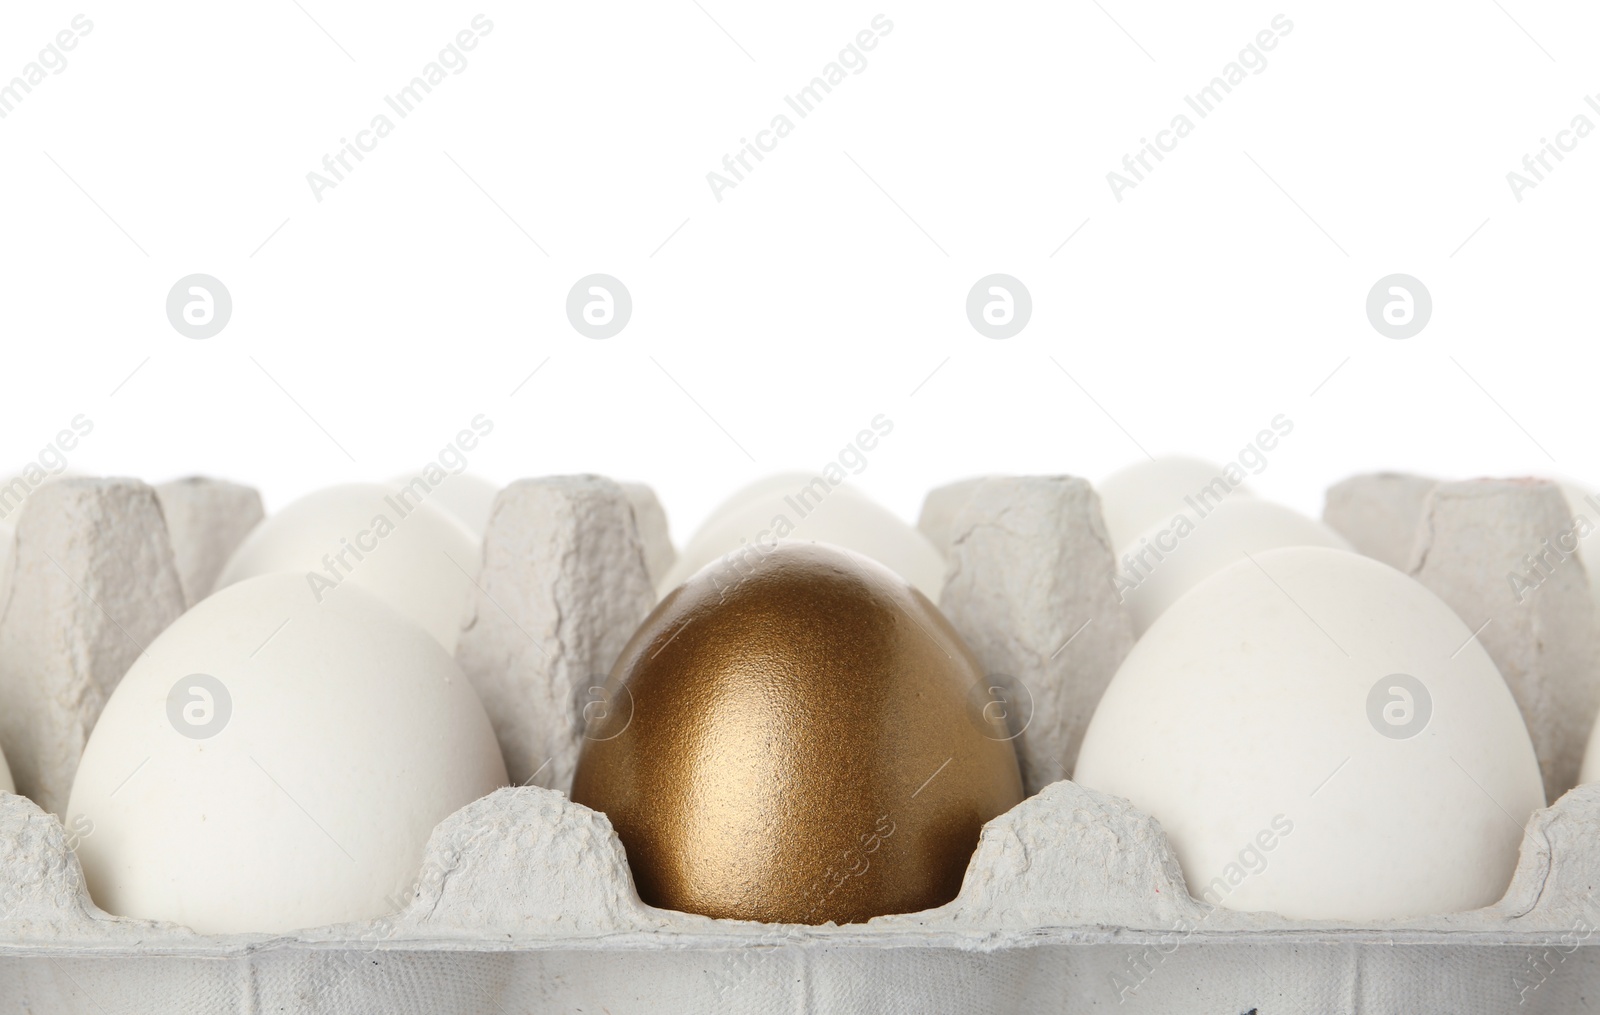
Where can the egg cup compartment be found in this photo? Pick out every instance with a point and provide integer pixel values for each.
(1493, 550)
(524, 902)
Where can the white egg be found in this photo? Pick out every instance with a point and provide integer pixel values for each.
(272, 763)
(839, 516)
(414, 556)
(1163, 563)
(763, 490)
(1151, 494)
(7, 785)
(469, 498)
(1589, 771)
(778, 482)
(1320, 736)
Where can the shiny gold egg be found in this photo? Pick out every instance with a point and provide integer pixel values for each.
(790, 739)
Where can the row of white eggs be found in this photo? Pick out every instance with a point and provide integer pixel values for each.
(1240, 719)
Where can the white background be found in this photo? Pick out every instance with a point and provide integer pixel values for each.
(827, 287)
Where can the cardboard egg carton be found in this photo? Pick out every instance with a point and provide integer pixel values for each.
(1073, 901)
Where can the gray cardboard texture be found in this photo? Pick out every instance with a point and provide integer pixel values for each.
(1072, 902)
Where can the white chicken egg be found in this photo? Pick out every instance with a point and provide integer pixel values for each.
(1320, 736)
(779, 482)
(765, 490)
(469, 498)
(272, 762)
(1589, 771)
(1151, 494)
(817, 514)
(1166, 561)
(414, 556)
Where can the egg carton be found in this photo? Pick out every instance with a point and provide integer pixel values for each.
(1074, 900)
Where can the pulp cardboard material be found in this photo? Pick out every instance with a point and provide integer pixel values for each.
(207, 519)
(1484, 547)
(1028, 589)
(93, 580)
(1073, 900)
(659, 554)
(1379, 513)
(564, 584)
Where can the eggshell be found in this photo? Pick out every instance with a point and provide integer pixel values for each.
(706, 540)
(1590, 772)
(1156, 569)
(777, 483)
(1321, 737)
(810, 742)
(272, 763)
(6, 785)
(841, 516)
(468, 498)
(1150, 494)
(414, 556)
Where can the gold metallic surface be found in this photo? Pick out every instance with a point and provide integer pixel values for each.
(798, 745)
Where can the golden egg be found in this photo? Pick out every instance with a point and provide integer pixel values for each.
(790, 738)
